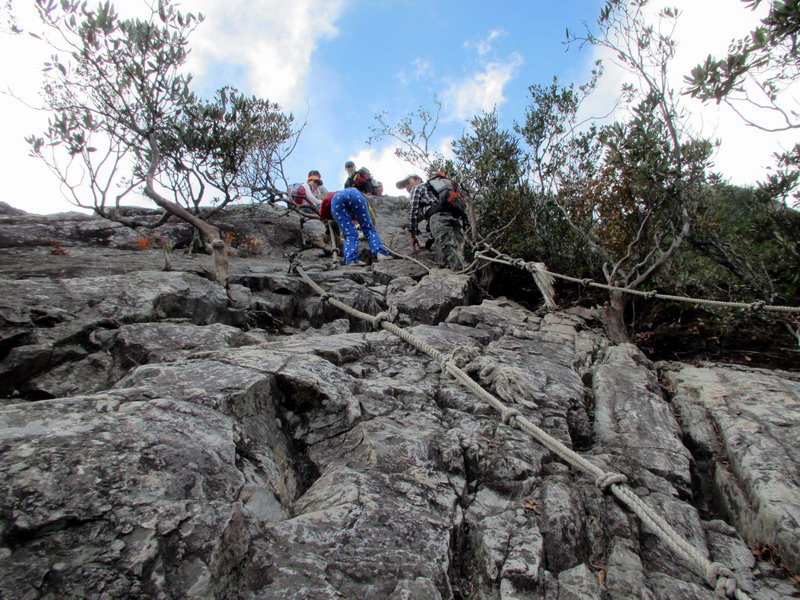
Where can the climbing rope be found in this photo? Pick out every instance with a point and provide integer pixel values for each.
(539, 268)
(716, 575)
(397, 254)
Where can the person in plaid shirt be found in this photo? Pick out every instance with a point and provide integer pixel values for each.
(445, 227)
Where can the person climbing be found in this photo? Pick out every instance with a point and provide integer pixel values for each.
(304, 195)
(350, 204)
(350, 169)
(361, 180)
(321, 191)
(444, 224)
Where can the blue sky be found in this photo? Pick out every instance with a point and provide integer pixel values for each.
(394, 56)
(340, 62)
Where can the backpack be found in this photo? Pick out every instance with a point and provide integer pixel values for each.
(363, 182)
(325, 207)
(297, 194)
(450, 198)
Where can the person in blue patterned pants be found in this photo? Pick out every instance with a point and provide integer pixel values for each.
(350, 204)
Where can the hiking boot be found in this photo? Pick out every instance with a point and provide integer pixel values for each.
(358, 263)
(383, 257)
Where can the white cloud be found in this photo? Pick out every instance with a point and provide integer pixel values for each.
(270, 41)
(27, 182)
(385, 166)
(483, 90)
(265, 47)
(422, 69)
(484, 45)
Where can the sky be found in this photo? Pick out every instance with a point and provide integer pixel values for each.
(337, 63)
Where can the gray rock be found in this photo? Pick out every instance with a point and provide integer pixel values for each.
(632, 417)
(110, 499)
(255, 442)
(756, 478)
(578, 583)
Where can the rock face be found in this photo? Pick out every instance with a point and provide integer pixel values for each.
(164, 437)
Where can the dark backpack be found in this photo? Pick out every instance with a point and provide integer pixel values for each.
(363, 182)
(450, 198)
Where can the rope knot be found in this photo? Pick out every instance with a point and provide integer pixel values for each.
(509, 414)
(459, 357)
(721, 578)
(519, 263)
(325, 297)
(651, 294)
(608, 479)
(587, 281)
(294, 262)
(758, 305)
(380, 318)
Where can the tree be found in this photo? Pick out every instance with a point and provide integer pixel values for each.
(414, 133)
(757, 80)
(633, 208)
(7, 22)
(124, 119)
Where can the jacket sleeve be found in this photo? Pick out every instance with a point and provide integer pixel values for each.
(312, 199)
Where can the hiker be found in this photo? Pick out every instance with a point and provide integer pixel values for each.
(321, 190)
(345, 206)
(361, 180)
(304, 195)
(378, 188)
(350, 169)
(444, 221)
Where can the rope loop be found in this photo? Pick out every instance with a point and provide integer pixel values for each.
(721, 578)
(758, 305)
(380, 318)
(294, 262)
(608, 479)
(445, 361)
(509, 414)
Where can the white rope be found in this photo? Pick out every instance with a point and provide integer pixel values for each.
(538, 269)
(717, 576)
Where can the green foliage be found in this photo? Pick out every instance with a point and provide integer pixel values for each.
(733, 251)
(755, 80)
(123, 111)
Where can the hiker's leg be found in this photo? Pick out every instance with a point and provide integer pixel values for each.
(448, 235)
(361, 213)
(345, 222)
